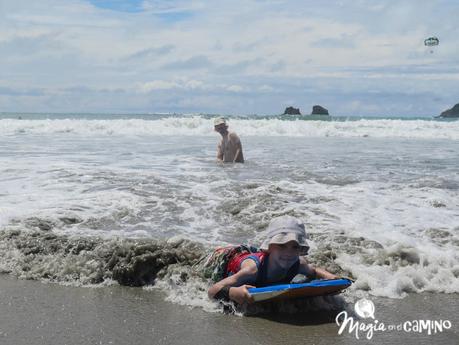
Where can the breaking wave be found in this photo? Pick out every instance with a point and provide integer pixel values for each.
(171, 265)
(202, 126)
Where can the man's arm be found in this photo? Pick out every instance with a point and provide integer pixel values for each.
(238, 151)
(219, 152)
(238, 157)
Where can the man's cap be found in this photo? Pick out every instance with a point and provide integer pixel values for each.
(219, 121)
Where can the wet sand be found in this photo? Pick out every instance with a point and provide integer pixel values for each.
(38, 313)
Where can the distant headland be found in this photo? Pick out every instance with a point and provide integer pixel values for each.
(453, 112)
(316, 110)
(319, 110)
(291, 111)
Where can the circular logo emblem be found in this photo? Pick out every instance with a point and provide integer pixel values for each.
(365, 308)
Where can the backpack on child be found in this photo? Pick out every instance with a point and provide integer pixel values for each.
(215, 264)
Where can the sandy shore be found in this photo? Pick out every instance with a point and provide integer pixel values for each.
(37, 313)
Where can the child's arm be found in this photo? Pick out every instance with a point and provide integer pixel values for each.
(235, 287)
(323, 274)
(315, 272)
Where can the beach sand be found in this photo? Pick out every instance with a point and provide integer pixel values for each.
(33, 312)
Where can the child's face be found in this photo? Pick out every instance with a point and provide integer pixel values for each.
(284, 255)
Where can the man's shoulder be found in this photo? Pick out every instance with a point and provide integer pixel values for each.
(233, 136)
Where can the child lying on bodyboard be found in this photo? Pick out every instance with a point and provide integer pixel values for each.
(278, 261)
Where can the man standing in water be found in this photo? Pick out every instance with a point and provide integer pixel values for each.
(229, 149)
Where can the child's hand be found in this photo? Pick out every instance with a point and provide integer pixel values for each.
(240, 294)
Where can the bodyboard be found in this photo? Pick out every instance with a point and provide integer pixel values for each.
(310, 289)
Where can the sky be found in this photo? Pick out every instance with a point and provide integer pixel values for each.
(239, 57)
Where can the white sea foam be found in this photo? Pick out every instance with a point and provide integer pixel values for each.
(201, 126)
(151, 178)
(419, 240)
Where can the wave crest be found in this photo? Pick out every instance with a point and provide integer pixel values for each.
(202, 126)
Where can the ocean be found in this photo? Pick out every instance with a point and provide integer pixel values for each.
(96, 200)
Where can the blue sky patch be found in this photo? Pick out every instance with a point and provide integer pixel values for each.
(119, 5)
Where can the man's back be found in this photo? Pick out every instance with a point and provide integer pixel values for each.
(229, 149)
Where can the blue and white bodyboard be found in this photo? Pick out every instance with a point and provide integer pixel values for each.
(312, 288)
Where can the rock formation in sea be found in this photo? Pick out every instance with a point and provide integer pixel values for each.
(453, 112)
(319, 110)
(292, 111)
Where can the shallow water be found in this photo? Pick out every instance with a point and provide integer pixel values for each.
(378, 197)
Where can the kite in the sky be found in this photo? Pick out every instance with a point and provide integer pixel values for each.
(431, 42)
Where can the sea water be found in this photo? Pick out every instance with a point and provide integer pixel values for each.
(380, 197)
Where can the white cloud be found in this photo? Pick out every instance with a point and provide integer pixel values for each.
(235, 88)
(158, 85)
(265, 88)
(183, 84)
